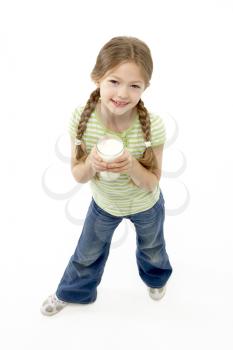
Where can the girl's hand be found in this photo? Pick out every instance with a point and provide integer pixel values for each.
(97, 164)
(122, 164)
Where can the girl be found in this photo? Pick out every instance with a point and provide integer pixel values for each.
(122, 72)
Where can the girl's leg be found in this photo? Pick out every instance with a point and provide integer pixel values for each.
(152, 259)
(86, 266)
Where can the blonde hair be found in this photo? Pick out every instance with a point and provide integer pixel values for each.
(119, 50)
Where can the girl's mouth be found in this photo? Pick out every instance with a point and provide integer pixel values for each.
(119, 104)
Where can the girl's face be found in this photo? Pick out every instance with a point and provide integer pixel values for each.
(121, 88)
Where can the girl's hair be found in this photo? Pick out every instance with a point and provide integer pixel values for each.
(120, 50)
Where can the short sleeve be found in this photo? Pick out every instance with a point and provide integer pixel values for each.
(158, 131)
(74, 121)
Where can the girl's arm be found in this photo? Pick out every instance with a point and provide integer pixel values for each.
(84, 171)
(142, 177)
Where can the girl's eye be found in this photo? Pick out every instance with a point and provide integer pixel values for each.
(113, 81)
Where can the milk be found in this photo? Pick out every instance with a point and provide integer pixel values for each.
(108, 148)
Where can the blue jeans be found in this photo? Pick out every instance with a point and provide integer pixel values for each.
(86, 266)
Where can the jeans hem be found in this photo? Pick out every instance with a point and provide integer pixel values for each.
(148, 284)
(75, 301)
(158, 287)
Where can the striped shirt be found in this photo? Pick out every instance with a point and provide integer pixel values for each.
(120, 197)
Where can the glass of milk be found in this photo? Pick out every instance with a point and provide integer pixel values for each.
(108, 148)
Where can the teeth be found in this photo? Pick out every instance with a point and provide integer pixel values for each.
(120, 103)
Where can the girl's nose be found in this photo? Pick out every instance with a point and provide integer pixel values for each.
(122, 92)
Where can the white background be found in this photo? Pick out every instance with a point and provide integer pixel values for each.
(47, 51)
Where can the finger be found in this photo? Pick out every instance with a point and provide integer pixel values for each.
(118, 170)
(123, 157)
(97, 157)
(100, 166)
(120, 159)
(117, 165)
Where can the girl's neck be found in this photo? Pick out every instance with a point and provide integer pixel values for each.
(115, 122)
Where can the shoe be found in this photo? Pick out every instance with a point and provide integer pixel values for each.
(52, 305)
(157, 293)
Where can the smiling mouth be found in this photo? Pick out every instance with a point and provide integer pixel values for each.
(119, 104)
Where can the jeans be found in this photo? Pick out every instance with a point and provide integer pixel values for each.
(86, 266)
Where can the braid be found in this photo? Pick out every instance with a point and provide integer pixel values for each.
(81, 152)
(148, 159)
(144, 120)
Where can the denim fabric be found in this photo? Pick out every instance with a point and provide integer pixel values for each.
(86, 266)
